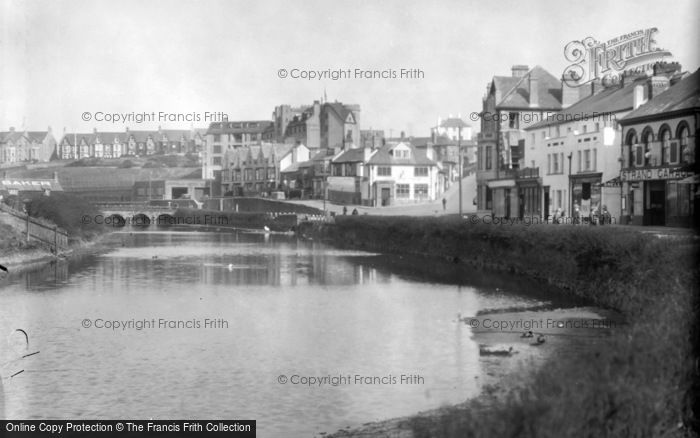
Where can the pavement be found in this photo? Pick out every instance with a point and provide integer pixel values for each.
(432, 208)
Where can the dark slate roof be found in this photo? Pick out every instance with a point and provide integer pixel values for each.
(611, 100)
(351, 156)
(239, 127)
(37, 136)
(383, 157)
(108, 137)
(516, 94)
(684, 95)
(340, 109)
(141, 136)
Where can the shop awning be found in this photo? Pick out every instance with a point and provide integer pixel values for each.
(693, 179)
(612, 183)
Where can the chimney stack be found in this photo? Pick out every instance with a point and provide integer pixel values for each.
(638, 98)
(534, 91)
(518, 71)
(657, 85)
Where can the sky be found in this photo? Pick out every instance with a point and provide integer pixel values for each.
(60, 59)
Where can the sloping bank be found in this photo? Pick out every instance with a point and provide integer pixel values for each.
(68, 212)
(640, 383)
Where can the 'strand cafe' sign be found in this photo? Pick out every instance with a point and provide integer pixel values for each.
(654, 174)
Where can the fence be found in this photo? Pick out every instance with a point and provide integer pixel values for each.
(42, 231)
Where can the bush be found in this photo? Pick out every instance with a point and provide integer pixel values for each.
(67, 211)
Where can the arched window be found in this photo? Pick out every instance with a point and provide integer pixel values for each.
(665, 136)
(687, 154)
(631, 143)
(647, 138)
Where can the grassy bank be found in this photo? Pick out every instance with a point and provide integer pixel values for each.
(640, 383)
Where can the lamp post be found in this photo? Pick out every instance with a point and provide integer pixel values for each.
(571, 200)
(459, 124)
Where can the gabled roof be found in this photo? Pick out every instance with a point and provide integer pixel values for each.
(611, 100)
(516, 90)
(384, 157)
(684, 95)
(37, 136)
(32, 136)
(351, 156)
(108, 137)
(141, 136)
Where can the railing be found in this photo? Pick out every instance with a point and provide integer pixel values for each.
(34, 228)
(528, 172)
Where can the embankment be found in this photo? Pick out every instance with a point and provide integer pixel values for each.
(643, 382)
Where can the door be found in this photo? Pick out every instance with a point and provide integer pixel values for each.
(655, 212)
(546, 203)
(386, 194)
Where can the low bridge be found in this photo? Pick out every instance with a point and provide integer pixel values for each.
(140, 214)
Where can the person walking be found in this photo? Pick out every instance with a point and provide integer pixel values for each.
(444, 204)
(345, 210)
(577, 215)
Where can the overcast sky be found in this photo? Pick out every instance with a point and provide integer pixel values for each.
(62, 58)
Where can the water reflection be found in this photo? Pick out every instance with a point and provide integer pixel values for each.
(292, 308)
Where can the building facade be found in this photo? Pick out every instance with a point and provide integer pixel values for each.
(26, 146)
(227, 136)
(659, 141)
(256, 170)
(511, 104)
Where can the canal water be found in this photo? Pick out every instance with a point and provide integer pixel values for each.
(194, 325)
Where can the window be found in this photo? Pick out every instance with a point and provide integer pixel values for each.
(420, 191)
(597, 127)
(631, 144)
(248, 174)
(216, 161)
(489, 158)
(646, 141)
(587, 159)
(217, 137)
(556, 163)
(420, 171)
(595, 159)
(578, 159)
(236, 175)
(259, 174)
(217, 149)
(549, 163)
(585, 129)
(403, 190)
(384, 171)
(141, 192)
(513, 120)
(687, 155)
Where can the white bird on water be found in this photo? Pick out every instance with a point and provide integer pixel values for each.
(267, 230)
(230, 266)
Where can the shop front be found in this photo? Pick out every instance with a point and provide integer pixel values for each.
(586, 192)
(661, 196)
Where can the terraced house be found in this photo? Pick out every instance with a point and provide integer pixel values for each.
(510, 105)
(660, 183)
(130, 143)
(255, 170)
(578, 153)
(222, 137)
(26, 146)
